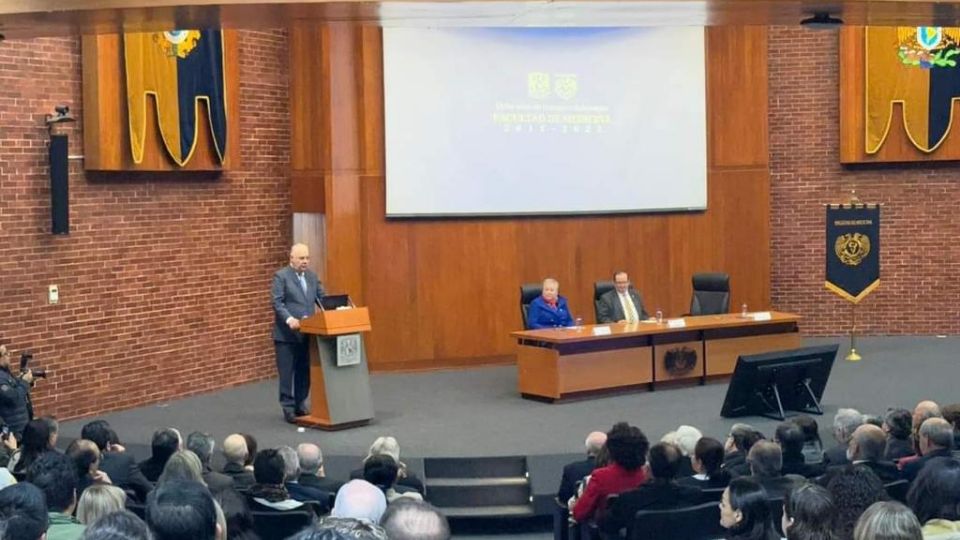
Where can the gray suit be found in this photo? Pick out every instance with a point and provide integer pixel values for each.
(610, 310)
(293, 357)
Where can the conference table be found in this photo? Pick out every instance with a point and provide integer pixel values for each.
(556, 363)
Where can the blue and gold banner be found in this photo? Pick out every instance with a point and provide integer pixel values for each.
(853, 250)
(179, 69)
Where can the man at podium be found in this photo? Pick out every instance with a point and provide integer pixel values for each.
(295, 292)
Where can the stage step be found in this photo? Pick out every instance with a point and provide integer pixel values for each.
(480, 492)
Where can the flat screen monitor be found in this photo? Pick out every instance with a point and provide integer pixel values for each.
(334, 301)
(769, 384)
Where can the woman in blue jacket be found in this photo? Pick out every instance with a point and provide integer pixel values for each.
(549, 310)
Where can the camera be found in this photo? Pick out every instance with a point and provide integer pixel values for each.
(62, 110)
(25, 358)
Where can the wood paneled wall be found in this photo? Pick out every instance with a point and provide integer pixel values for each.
(445, 292)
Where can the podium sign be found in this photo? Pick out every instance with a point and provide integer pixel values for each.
(348, 350)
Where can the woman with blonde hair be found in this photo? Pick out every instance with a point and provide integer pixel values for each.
(100, 500)
(888, 520)
(182, 465)
(388, 446)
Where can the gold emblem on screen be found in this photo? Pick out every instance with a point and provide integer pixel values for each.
(852, 248)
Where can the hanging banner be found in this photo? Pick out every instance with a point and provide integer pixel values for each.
(853, 250)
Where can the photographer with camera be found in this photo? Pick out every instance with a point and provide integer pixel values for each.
(15, 407)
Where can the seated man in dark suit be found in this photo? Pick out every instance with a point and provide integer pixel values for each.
(935, 439)
(659, 493)
(202, 445)
(312, 473)
(291, 477)
(572, 474)
(866, 449)
(765, 461)
(622, 304)
(165, 443)
(120, 466)
(235, 452)
(742, 437)
(549, 310)
(791, 440)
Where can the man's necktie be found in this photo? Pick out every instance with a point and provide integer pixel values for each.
(631, 310)
(303, 282)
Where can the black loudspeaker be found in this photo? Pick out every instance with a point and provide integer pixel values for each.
(59, 186)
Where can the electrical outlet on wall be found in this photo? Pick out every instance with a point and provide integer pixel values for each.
(53, 294)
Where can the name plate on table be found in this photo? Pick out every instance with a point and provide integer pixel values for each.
(601, 330)
(676, 323)
(761, 316)
(348, 350)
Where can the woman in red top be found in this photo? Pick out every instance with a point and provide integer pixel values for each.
(627, 447)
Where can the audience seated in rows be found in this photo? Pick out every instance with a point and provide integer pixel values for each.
(791, 440)
(707, 462)
(115, 462)
(898, 427)
(202, 445)
(809, 513)
(660, 492)
(685, 438)
(887, 520)
(291, 477)
(165, 443)
(745, 512)
(934, 439)
(235, 452)
(627, 449)
(924, 411)
(934, 498)
(845, 422)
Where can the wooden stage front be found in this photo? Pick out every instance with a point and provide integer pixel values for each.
(556, 363)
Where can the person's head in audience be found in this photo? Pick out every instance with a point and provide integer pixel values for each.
(924, 410)
(873, 420)
(808, 513)
(236, 514)
(34, 442)
(765, 459)
(121, 525)
(664, 460)
(685, 438)
(99, 500)
(359, 499)
(201, 444)
(707, 457)
(165, 443)
(181, 509)
(182, 465)
(56, 476)
(627, 446)
(742, 437)
(85, 456)
(381, 471)
(24, 509)
(291, 463)
(386, 446)
(811, 431)
(866, 444)
(790, 438)
(53, 426)
(415, 520)
(336, 528)
(268, 468)
(594, 442)
(844, 423)
(745, 513)
(951, 413)
(551, 290)
(311, 459)
(935, 493)
(853, 490)
(251, 449)
(887, 520)
(898, 424)
(97, 431)
(235, 449)
(935, 434)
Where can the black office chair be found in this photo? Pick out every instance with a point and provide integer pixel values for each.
(599, 289)
(528, 293)
(711, 294)
(699, 522)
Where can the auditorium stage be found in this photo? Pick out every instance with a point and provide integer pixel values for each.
(478, 412)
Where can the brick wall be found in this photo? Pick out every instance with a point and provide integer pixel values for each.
(920, 259)
(163, 279)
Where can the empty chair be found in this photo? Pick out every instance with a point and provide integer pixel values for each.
(711, 294)
(280, 525)
(599, 289)
(528, 293)
(699, 522)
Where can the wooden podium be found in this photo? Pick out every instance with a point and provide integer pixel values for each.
(339, 379)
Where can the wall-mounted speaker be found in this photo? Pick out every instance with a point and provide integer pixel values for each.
(59, 186)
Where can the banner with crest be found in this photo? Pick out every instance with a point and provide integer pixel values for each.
(915, 67)
(179, 69)
(853, 250)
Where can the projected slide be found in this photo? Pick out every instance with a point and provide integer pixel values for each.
(511, 121)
